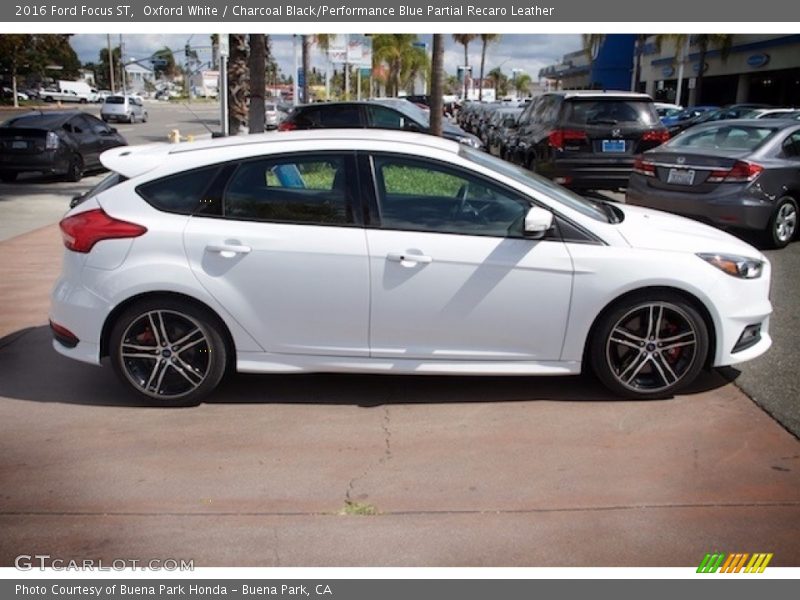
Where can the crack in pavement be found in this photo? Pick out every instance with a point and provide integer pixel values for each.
(477, 511)
(387, 456)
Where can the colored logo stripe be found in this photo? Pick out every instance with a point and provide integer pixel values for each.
(734, 563)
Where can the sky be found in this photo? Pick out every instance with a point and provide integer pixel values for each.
(511, 51)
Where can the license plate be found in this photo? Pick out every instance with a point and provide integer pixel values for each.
(19, 145)
(613, 145)
(681, 176)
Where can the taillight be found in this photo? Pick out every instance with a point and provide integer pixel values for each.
(287, 126)
(643, 167)
(82, 231)
(656, 135)
(51, 141)
(741, 172)
(559, 137)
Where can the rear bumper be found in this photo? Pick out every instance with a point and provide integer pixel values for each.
(592, 173)
(731, 207)
(45, 162)
(115, 117)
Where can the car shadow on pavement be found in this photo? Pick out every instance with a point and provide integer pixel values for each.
(30, 369)
(35, 185)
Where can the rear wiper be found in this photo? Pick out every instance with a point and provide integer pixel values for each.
(613, 217)
(602, 122)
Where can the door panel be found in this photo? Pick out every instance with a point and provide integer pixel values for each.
(445, 296)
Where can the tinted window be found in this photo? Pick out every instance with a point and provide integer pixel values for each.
(723, 136)
(309, 189)
(609, 111)
(385, 118)
(37, 121)
(422, 195)
(180, 193)
(791, 145)
(330, 116)
(115, 100)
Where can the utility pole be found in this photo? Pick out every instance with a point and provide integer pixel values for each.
(224, 50)
(346, 66)
(110, 62)
(294, 75)
(122, 66)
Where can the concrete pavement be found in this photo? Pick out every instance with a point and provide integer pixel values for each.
(459, 471)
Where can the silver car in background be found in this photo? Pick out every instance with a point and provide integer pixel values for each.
(273, 115)
(127, 109)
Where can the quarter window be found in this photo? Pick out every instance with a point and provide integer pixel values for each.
(420, 195)
(311, 189)
(179, 193)
(791, 145)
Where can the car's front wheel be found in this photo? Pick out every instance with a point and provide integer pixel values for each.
(783, 224)
(649, 345)
(172, 353)
(75, 169)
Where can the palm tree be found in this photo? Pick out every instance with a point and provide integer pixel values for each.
(238, 84)
(215, 51)
(637, 70)
(306, 41)
(486, 39)
(522, 83)
(464, 39)
(592, 43)
(704, 40)
(258, 68)
(403, 60)
(499, 81)
(681, 42)
(437, 84)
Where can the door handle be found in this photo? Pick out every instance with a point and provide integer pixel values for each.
(404, 257)
(228, 250)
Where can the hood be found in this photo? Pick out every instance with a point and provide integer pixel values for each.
(656, 230)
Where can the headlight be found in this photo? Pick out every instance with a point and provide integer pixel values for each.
(735, 266)
(470, 141)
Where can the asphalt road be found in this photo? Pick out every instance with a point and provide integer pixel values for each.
(377, 470)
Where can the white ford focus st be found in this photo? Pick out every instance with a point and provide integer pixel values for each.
(388, 252)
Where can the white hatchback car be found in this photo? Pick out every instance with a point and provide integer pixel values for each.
(388, 252)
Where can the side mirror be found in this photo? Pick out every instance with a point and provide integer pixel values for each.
(537, 222)
(411, 126)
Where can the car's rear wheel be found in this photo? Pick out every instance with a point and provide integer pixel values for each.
(649, 345)
(144, 118)
(8, 176)
(782, 226)
(170, 352)
(75, 168)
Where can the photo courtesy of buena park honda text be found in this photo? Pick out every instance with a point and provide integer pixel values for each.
(350, 300)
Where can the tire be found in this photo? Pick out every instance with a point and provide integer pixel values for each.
(75, 169)
(105, 119)
(782, 227)
(144, 117)
(531, 164)
(8, 176)
(83, 101)
(48, 99)
(649, 345)
(173, 377)
(132, 119)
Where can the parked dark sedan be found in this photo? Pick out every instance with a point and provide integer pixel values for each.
(66, 143)
(742, 173)
(503, 120)
(386, 113)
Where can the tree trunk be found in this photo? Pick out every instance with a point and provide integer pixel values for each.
(466, 60)
(14, 84)
(238, 84)
(480, 81)
(258, 68)
(306, 66)
(437, 84)
(698, 84)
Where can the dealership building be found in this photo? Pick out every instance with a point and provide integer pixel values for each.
(759, 68)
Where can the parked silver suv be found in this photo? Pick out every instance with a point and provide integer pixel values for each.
(123, 108)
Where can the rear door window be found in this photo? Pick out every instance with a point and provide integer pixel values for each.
(308, 189)
(333, 116)
(181, 193)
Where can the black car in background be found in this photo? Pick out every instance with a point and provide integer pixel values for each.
(738, 173)
(64, 143)
(502, 124)
(389, 113)
(586, 139)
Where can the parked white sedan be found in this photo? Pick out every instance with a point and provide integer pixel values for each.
(388, 252)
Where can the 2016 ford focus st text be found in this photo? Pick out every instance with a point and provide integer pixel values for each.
(388, 252)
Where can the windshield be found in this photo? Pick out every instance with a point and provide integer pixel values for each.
(725, 136)
(409, 109)
(562, 195)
